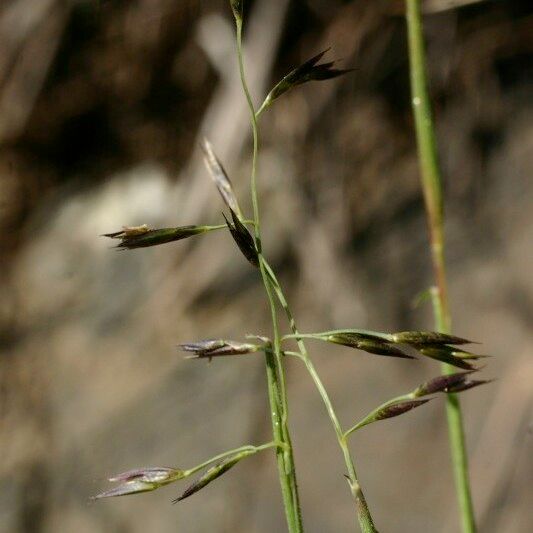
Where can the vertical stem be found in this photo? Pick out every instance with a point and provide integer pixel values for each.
(432, 187)
(363, 513)
(274, 364)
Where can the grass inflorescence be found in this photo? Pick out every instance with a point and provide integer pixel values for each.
(435, 345)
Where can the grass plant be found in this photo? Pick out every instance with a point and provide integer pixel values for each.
(247, 234)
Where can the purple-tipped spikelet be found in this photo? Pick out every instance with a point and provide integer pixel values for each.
(398, 409)
(218, 347)
(441, 383)
(242, 237)
(213, 473)
(143, 236)
(389, 411)
(367, 343)
(141, 480)
(458, 382)
(467, 385)
(308, 71)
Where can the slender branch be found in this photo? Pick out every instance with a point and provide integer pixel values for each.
(432, 187)
(320, 336)
(363, 513)
(225, 226)
(245, 448)
(275, 371)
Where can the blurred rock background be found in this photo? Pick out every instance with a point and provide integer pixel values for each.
(102, 105)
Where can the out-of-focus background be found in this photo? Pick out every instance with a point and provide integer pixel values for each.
(102, 105)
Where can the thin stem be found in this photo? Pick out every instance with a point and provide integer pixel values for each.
(225, 226)
(363, 513)
(294, 354)
(275, 370)
(432, 187)
(314, 336)
(322, 334)
(245, 448)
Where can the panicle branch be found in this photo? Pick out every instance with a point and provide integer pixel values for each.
(434, 345)
(447, 383)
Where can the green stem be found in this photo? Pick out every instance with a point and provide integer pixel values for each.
(363, 513)
(245, 448)
(432, 187)
(274, 364)
(225, 226)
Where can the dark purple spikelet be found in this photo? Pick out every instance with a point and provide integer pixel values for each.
(212, 473)
(398, 409)
(143, 236)
(242, 237)
(448, 383)
(308, 71)
(467, 385)
(441, 383)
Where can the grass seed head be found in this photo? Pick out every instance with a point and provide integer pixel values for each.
(445, 355)
(367, 343)
(442, 383)
(308, 71)
(143, 237)
(468, 384)
(398, 409)
(212, 473)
